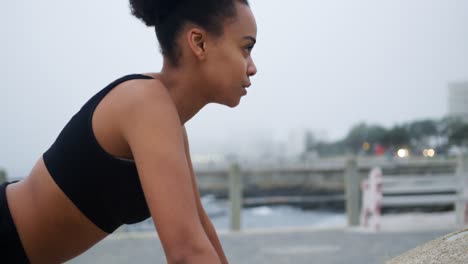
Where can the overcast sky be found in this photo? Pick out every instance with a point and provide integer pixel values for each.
(322, 66)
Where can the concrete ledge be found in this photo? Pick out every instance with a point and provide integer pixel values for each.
(449, 249)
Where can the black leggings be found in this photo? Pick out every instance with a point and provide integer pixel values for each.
(11, 249)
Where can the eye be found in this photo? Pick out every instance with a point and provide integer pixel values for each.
(248, 49)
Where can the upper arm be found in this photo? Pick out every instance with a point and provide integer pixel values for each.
(153, 131)
(201, 210)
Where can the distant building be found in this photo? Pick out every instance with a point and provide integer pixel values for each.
(458, 100)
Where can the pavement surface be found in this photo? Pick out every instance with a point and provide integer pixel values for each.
(298, 246)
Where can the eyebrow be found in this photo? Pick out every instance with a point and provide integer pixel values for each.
(251, 38)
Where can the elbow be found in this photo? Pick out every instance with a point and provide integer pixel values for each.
(185, 253)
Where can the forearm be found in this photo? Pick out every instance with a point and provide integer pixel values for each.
(190, 246)
(213, 237)
(194, 256)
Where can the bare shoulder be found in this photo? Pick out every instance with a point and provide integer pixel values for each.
(140, 92)
(143, 100)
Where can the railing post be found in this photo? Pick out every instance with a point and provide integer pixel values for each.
(3, 176)
(352, 183)
(235, 196)
(461, 205)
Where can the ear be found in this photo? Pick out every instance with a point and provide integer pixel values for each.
(196, 39)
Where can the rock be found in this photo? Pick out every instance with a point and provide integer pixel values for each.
(449, 249)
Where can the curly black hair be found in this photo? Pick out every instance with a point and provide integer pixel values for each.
(169, 16)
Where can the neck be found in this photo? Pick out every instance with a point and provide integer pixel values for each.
(185, 89)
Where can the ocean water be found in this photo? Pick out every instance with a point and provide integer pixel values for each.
(264, 217)
(261, 217)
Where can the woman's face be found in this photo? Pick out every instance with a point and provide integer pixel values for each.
(229, 64)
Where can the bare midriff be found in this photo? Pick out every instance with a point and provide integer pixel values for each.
(51, 228)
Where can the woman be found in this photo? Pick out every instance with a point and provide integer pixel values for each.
(124, 156)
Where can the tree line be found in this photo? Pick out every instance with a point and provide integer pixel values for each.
(371, 139)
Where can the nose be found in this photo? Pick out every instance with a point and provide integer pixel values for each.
(251, 68)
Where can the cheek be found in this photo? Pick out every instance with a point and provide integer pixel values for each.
(226, 69)
(229, 68)
(236, 66)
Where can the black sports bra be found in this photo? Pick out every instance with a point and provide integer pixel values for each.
(104, 188)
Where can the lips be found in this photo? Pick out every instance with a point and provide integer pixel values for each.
(244, 88)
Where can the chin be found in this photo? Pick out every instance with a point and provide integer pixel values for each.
(233, 104)
(230, 103)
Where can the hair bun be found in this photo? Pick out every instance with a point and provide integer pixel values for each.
(153, 12)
